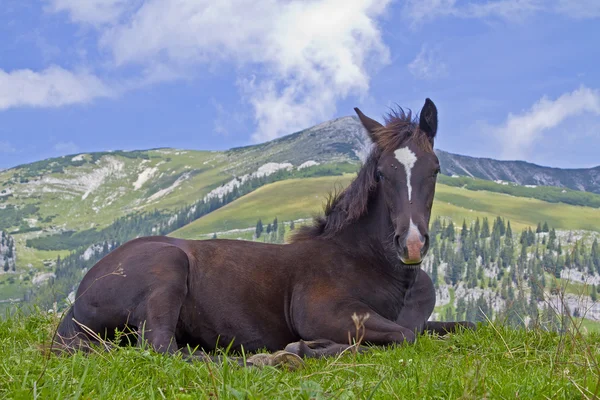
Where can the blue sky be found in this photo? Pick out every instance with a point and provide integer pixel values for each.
(512, 79)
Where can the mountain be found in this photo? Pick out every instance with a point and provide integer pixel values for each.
(520, 172)
(65, 212)
(344, 140)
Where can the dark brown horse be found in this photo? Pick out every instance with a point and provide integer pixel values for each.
(362, 257)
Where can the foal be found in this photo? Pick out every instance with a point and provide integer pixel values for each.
(362, 257)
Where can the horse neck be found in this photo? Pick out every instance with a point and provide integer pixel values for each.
(370, 238)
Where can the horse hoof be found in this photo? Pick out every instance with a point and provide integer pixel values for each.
(280, 359)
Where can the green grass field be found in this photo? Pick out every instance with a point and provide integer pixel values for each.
(493, 362)
(286, 200)
(302, 198)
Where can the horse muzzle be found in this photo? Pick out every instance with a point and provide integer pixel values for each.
(413, 249)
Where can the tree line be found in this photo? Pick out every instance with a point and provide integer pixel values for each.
(505, 268)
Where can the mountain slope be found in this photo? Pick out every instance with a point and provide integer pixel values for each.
(91, 190)
(520, 172)
(344, 139)
(303, 198)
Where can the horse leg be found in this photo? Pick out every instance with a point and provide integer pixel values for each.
(321, 348)
(419, 303)
(337, 328)
(167, 289)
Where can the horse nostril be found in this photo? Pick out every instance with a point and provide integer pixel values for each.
(425, 245)
(397, 242)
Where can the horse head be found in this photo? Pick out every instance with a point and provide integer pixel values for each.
(405, 175)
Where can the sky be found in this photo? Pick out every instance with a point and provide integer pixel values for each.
(512, 79)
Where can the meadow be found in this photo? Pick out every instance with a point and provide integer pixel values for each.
(492, 362)
(303, 198)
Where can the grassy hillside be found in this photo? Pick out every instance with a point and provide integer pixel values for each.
(289, 199)
(493, 362)
(91, 190)
(302, 198)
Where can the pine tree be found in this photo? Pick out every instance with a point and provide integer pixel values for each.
(214, 235)
(477, 228)
(275, 225)
(471, 274)
(539, 228)
(545, 227)
(259, 228)
(457, 271)
(508, 240)
(552, 239)
(559, 248)
(436, 227)
(523, 237)
(292, 225)
(6, 267)
(471, 313)
(595, 255)
(434, 273)
(501, 226)
(485, 229)
(269, 229)
(464, 231)
(450, 234)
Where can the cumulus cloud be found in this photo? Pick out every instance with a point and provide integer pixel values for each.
(520, 132)
(427, 64)
(303, 55)
(52, 87)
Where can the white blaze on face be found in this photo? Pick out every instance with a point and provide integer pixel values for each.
(407, 158)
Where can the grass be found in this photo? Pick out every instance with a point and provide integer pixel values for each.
(521, 210)
(286, 200)
(302, 198)
(493, 362)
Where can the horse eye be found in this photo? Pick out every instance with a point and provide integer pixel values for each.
(379, 175)
(436, 172)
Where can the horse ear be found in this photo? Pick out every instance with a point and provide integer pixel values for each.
(370, 124)
(429, 119)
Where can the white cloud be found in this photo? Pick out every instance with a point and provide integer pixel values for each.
(66, 147)
(427, 64)
(93, 12)
(419, 11)
(579, 8)
(6, 147)
(520, 132)
(52, 87)
(305, 54)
